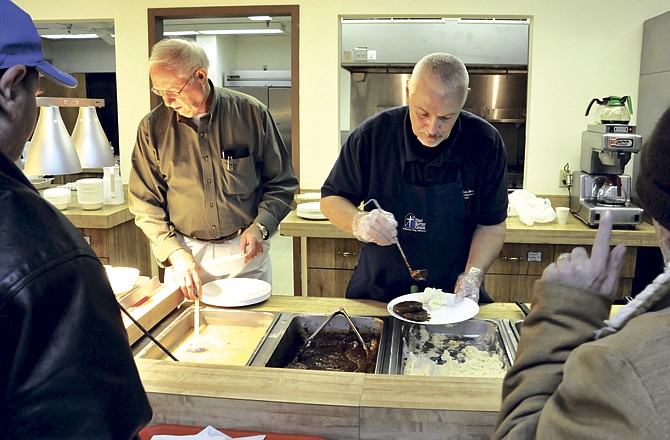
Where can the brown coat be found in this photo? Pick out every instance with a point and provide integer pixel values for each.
(566, 385)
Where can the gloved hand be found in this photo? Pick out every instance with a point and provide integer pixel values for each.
(376, 226)
(467, 285)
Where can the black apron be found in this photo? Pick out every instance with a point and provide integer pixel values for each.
(434, 236)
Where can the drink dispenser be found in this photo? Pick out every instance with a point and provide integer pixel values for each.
(112, 186)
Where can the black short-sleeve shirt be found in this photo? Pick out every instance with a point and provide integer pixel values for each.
(383, 149)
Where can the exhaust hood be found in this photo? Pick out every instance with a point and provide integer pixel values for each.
(388, 43)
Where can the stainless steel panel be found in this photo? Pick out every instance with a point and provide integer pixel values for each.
(279, 103)
(405, 41)
(258, 92)
(655, 54)
(497, 97)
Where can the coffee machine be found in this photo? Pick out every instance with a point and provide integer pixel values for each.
(601, 184)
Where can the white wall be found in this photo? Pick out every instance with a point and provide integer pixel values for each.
(575, 54)
(81, 56)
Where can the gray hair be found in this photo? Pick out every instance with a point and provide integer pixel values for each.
(178, 54)
(448, 69)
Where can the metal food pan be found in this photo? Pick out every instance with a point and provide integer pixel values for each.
(287, 340)
(472, 348)
(231, 337)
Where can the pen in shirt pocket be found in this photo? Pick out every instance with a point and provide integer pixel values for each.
(229, 161)
(230, 155)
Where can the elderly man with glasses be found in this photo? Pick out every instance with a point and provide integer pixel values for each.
(210, 174)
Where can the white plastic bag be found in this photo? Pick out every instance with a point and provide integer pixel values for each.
(530, 208)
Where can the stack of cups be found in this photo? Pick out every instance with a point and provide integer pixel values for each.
(89, 193)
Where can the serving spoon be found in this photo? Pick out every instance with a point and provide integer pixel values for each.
(416, 274)
(195, 344)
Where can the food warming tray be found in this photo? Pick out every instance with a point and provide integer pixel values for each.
(231, 337)
(473, 348)
(335, 348)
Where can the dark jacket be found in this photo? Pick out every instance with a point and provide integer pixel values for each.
(66, 368)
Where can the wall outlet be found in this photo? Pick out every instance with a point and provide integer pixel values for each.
(563, 179)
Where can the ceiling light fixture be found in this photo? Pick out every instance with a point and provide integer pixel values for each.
(70, 36)
(260, 18)
(241, 31)
(179, 33)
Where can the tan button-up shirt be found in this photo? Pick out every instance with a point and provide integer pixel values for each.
(210, 180)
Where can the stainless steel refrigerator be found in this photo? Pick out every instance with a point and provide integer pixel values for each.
(272, 88)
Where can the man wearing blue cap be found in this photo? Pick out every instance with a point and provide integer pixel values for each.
(66, 369)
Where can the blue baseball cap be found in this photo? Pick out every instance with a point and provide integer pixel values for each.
(20, 45)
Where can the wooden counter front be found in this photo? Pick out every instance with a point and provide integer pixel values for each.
(335, 405)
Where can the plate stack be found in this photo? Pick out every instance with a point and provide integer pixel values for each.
(311, 211)
(59, 197)
(89, 193)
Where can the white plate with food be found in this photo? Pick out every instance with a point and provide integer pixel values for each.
(432, 307)
(235, 292)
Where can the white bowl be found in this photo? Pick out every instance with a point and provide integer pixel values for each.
(122, 279)
(57, 194)
(224, 265)
(90, 206)
(61, 206)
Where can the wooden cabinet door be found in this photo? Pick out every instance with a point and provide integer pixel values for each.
(510, 288)
(328, 282)
(627, 270)
(333, 253)
(523, 259)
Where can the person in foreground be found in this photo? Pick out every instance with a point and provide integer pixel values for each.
(439, 177)
(579, 375)
(210, 175)
(66, 368)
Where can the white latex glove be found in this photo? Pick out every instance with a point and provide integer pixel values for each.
(467, 285)
(377, 226)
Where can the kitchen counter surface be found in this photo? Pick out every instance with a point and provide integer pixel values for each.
(573, 232)
(335, 405)
(104, 218)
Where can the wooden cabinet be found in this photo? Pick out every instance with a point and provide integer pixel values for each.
(332, 254)
(330, 265)
(512, 275)
(121, 245)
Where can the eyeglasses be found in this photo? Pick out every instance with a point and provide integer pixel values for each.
(170, 93)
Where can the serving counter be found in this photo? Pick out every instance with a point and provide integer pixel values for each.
(328, 255)
(335, 405)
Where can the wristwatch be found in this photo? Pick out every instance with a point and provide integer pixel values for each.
(263, 229)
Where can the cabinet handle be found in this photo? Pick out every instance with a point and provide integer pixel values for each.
(513, 259)
(347, 254)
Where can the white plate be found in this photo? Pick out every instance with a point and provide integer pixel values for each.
(235, 292)
(310, 211)
(224, 265)
(447, 314)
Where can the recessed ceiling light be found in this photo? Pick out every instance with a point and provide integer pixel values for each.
(241, 31)
(180, 33)
(70, 36)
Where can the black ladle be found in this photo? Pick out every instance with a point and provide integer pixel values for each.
(416, 274)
